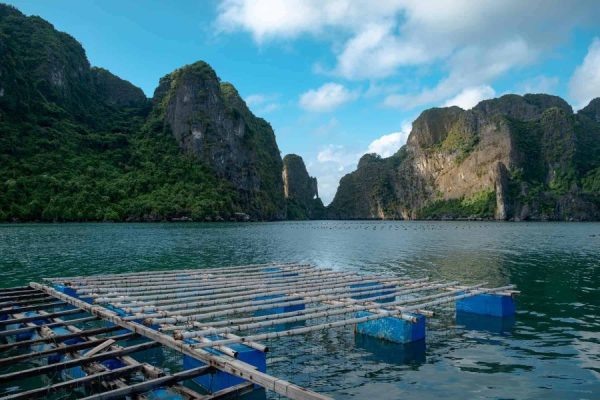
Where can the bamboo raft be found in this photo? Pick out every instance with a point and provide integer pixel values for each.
(214, 317)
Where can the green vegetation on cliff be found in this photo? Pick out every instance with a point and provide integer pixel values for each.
(78, 143)
(539, 158)
(480, 205)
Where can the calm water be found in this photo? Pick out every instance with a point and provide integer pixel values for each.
(551, 350)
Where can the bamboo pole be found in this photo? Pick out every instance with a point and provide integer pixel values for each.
(346, 308)
(230, 288)
(232, 291)
(167, 291)
(159, 318)
(156, 281)
(214, 324)
(234, 367)
(247, 294)
(208, 284)
(237, 301)
(166, 272)
(146, 386)
(345, 322)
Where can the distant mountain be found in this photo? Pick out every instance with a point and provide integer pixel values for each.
(300, 190)
(514, 157)
(77, 143)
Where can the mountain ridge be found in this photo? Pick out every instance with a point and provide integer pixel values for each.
(513, 157)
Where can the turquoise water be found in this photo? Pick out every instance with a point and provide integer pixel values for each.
(551, 350)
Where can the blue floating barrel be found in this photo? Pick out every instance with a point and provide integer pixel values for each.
(393, 329)
(495, 305)
(222, 380)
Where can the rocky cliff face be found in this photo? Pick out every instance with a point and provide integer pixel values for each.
(116, 91)
(77, 143)
(515, 157)
(300, 190)
(210, 120)
(42, 66)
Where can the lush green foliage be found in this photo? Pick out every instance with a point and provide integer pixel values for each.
(481, 205)
(71, 151)
(67, 172)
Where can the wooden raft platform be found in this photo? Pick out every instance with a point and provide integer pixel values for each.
(214, 317)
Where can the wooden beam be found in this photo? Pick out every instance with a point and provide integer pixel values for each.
(36, 317)
(230, 392)
(15, 297)
(16, 331)
(13, 303)
(73, 383)
(62, 349)
(41, 306)
(146, 386)
(46, 369)
(60, 338)
(225, 364)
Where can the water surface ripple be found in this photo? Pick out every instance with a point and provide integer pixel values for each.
(551, 350)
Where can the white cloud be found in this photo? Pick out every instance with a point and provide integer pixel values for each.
(327, 97)
(335, 161)
(469, 97)
(585, 82)
(469, 67)
(387, 145)
(262, 104)
(255, 99)
(470, 43)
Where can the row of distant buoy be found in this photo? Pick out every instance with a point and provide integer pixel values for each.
(372, 225)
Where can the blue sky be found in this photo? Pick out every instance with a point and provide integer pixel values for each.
(341, 78)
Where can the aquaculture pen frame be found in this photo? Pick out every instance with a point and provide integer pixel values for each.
(213, 316)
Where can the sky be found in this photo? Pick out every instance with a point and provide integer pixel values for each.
(341, 78)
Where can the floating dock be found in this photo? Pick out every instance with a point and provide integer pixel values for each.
(91, 332)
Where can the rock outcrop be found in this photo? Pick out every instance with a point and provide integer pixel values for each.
(514, 157)
(78, 143)
(116, 91)
(300, 190)
(209, 119)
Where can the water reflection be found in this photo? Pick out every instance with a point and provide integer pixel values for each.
(550, 350)
(383, 351)
(496, 325)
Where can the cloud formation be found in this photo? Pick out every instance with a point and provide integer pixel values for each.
(262, 104)
(327, 98)
(585, 82)
(470, 43)
(389, 144)
(469, 97)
